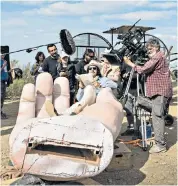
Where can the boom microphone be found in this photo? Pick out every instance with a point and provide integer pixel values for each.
(67, 42)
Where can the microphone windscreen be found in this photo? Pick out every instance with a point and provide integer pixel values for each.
(67, 42)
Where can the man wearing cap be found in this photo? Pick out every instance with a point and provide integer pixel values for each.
(66, 69)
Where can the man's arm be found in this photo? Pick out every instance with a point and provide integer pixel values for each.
(45, 66)
(78, 68)
(148, 66)
(4, 64)
(106, 82)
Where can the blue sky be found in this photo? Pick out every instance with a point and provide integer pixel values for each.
(27, 24)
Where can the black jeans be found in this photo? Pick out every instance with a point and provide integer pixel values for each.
(3, 92)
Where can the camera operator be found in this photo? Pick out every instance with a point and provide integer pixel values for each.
(158, 89)
(87, 57)
(110, 70)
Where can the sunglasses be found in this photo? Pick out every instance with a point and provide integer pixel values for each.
(90, 56)
(92, 68)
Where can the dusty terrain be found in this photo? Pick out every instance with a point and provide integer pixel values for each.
(157, 169)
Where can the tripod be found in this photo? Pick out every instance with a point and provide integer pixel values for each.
(139, 113)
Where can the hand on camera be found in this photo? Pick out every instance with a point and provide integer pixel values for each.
(128, 62)
(126, 59)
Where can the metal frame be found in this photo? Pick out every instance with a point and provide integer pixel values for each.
(123, 29)
(89, 34)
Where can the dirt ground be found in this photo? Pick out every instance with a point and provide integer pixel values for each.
(156, 169)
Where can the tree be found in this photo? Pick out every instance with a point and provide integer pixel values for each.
(15, 89)
(15, 63)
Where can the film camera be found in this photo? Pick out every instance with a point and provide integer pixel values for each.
(131, 46)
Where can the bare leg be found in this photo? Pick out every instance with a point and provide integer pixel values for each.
(88, 99)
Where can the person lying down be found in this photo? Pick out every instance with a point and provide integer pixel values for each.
(90, 85)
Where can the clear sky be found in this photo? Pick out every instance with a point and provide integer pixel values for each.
(26, 24)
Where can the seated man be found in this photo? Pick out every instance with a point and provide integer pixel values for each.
(110, 70)
(86, 94)
(87, 57)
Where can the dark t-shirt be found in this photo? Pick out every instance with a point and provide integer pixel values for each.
(79, 67)
(70, 74)
(50, 66)
(53, 67)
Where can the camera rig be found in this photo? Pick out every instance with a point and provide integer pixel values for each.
(132, 41)
(132, 45)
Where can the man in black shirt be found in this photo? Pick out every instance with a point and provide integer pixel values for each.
(60, 66)
(51, 62)
(87, 57)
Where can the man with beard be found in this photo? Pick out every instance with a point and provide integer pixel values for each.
(87, 57)
(51, 62)
(158, 89)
